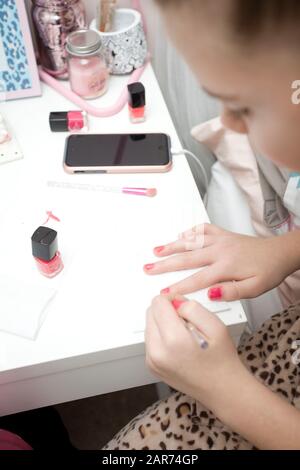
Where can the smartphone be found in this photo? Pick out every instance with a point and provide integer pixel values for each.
(117, 153)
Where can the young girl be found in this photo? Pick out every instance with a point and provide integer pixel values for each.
(246, 53)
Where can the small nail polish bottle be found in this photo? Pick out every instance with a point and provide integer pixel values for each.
(45, 251)
(137, 102)
(71, 121)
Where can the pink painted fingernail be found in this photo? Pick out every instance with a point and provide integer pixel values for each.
(215, 293)
(148, 267)
(165, 291)
(177, 303)
(159, 249)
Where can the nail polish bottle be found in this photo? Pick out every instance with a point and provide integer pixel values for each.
(137, 102)
(45, 251)
(71, 121)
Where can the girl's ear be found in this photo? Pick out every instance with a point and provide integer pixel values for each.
(233, 122)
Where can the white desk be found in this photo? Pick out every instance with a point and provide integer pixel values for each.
(92, 339)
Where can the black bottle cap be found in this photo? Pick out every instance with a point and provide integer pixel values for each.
(59, 121)
(44, 243)
(137, 95)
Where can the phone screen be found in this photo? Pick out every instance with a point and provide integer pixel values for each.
(96, 150)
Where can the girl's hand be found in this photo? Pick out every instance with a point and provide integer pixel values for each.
(175, 356)
(215, 376)
(256, 265)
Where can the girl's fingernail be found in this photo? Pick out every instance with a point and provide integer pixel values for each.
(148, 267)
(165, 291)
(215, 293)
(177, 303)
(159, 249)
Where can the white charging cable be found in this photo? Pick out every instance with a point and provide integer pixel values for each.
(175, 152)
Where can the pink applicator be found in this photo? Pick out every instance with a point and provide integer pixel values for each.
(148, 192)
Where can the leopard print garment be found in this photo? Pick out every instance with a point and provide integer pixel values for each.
(180, 422)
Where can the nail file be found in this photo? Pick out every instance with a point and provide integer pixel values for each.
(9, 147)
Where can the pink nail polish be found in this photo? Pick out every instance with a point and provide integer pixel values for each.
(215, 293)
(45, 251)
(165, 291)
(148, 267)
(68, 121)
(177, 303)
(159, 249)
(137, 102)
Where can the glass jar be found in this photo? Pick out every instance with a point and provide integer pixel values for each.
(88, 70)
(53, 21)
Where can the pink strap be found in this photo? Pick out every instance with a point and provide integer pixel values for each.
(84, 105)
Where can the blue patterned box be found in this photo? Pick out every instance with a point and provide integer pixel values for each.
(18, 69)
